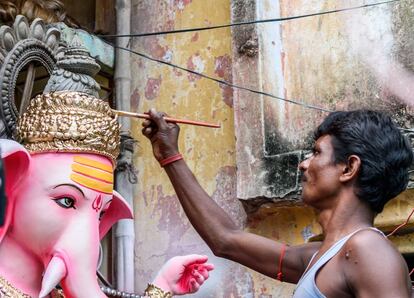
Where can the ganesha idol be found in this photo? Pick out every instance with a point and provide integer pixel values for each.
(61, 202)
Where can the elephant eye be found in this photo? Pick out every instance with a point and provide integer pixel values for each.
(65, 202)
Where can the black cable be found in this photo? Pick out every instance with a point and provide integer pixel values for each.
(239, 87)
(247, 22)
(224, 82)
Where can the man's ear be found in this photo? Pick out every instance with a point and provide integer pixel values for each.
(351, 168)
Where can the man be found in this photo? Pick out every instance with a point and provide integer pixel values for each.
(360, 161)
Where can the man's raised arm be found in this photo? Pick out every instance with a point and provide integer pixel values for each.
(212, 223)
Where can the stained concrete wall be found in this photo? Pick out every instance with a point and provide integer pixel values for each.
(347, 60)
(318, 60)
(162, 229)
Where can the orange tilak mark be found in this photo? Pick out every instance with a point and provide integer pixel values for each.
(93, 163)
(92, 183)
(93, 173)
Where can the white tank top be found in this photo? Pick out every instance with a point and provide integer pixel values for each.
(306, 287)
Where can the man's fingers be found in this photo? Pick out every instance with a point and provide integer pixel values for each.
(158, 118)
(147, 131)
(146, 123)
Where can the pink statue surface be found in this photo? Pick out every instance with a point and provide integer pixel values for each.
(59, 207)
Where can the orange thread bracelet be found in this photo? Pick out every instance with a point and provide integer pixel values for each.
(279, 275)
(170, 159)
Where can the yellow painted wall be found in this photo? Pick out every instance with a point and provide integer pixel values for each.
(162, 229)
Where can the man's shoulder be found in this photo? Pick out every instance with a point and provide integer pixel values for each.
(369, 251)
(369, 257)
(370, 243)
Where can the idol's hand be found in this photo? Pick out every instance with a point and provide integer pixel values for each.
(163, 135)
(183, 274)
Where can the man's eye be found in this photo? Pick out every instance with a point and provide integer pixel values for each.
(65, 202)
(307, 154)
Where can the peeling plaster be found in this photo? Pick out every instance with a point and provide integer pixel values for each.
(195, 37)
(182, 3)
(196, 63)
(223, 69)
(135, 98)
(152, 88)
(155, 48)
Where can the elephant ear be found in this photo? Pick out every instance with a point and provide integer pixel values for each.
(118, 209)
(16, 162)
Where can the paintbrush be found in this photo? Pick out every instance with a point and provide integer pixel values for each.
(168, 119)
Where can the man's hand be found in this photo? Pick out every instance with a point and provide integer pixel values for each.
(163, 135)
(183, 274)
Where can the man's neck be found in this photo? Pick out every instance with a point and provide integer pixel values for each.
(347, 215)
(20, 267)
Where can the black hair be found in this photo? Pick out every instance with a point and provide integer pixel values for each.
(385, 153)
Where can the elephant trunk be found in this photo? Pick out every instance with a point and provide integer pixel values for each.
(54, 273)
(75, 281)
(74, 260)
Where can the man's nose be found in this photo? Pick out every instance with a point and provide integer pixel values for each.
(303, 166)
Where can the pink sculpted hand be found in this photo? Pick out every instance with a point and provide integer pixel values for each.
(183, 274)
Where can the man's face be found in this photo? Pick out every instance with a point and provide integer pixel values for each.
(320, 180)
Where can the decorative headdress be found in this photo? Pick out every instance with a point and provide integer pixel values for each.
(68, 116)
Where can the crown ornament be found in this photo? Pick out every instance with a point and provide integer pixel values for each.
(68, 116)
(69, 122)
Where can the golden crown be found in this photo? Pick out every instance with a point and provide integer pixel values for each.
(67, 121)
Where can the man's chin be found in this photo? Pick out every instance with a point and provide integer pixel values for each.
(306, 199)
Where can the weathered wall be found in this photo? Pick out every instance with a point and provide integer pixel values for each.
(162, 229)
(356, 59)
(311, 59)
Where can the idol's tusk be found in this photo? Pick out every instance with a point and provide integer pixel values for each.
(168, 119)
(54, 273)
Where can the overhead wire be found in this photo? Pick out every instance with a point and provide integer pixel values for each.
(229, 84)
(166, 32)
(220, 81)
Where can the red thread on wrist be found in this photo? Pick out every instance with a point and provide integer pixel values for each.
(279, 275)
(170, 159)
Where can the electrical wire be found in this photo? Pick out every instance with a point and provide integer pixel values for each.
(303, 104)
(401, 225)
(247, 22)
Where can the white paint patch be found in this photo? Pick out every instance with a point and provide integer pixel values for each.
(372, 40)
(369, 33)
(168, 56)
(270, 63)
(198, 62)
(180, 5)
(307, 233)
